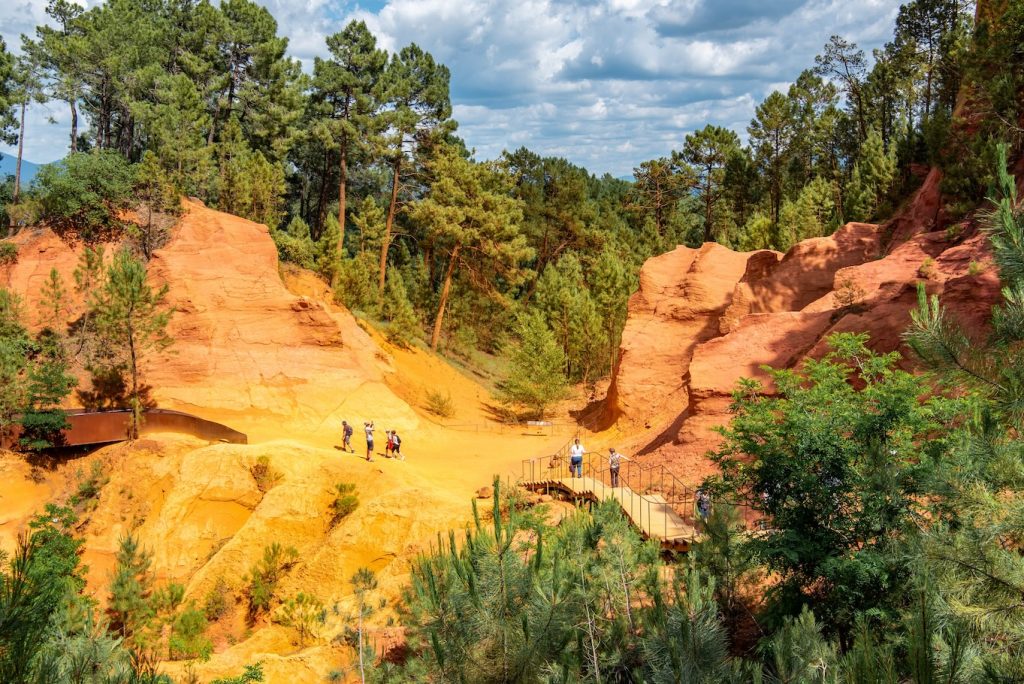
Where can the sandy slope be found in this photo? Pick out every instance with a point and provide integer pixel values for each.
(285, 365)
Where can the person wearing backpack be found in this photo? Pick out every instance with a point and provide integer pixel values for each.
(396, 445)
(346, 437)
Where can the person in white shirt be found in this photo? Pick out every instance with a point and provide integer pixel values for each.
(369, 440)
(576, 452)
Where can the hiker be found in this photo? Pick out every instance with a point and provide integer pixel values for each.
(389, 444)
(703, 504)
(369, 439)
(396, 446)
(576, 452)
(346, 437)
(614, 461)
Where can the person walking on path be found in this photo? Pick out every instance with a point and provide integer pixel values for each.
(369, 440)
(389, 445)
(346, 437)
(614, 462)
(703, 504)
(576, 452)
(396, 446)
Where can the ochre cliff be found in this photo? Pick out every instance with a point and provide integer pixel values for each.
(704, 318)
(246, 351)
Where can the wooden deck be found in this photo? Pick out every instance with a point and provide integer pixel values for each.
(650, 514)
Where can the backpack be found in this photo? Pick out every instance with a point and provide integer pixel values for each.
(395, 441)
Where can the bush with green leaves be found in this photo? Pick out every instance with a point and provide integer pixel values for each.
(8, 253)
(218, 600)
(187, 640)
(264, 576)
(305, 614)
(85, 193)
(440, 404)
(344, 503)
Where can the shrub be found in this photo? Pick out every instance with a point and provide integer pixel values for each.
(27, 212)
(8, 253)
(264, 576)
(927, 268)
(187, 641)
(85, 192)
(975, 268)
(440, 405)
(345, 502)
(217, 601)
(89, 486)
(305, 613)
(848, 292)
(264, 475)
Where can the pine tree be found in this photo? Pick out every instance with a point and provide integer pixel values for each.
(708, 150)
(53, 303)
(131, 586)
(564, 299)
(417, 107)
(343, 94)
(403, 323)
(131, 319)
(470, 217)
(536, 367)
(772, 134)
(48, 386)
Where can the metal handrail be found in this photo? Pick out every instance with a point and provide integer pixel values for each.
(648, 481)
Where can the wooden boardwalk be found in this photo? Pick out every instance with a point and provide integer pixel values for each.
(649, 513)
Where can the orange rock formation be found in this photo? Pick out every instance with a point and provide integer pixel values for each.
(704, 318)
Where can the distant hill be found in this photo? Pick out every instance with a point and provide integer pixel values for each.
(28, 169)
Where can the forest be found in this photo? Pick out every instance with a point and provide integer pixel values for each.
(183, 97)
(890, 503)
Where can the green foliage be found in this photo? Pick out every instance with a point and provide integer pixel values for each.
(129, 608)
(872, 179)
(470, 217)
(294, 244)
(536, 375)
(439, 404)
(304, 613)
(48, 385)
(571, 313)
(8, 253)
(216, 604)
(263, 577)
(131, 319)
(344, 503)
(35, 584)
(187, 641)
(264, 474)
(84, 194)
(252, 673)
(89, 486)
(836, 470)
(397, 310)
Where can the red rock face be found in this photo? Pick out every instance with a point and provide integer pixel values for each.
(702, 319)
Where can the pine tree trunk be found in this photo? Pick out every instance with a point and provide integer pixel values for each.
(343, 167)
(74, 124)
(21, 148)
(133, 426)
(386, 242)
(435, 337)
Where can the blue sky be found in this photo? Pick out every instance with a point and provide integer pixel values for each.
(605, 83)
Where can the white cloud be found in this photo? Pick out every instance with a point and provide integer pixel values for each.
(606, 83)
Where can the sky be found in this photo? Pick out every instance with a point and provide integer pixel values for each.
(606, 84)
